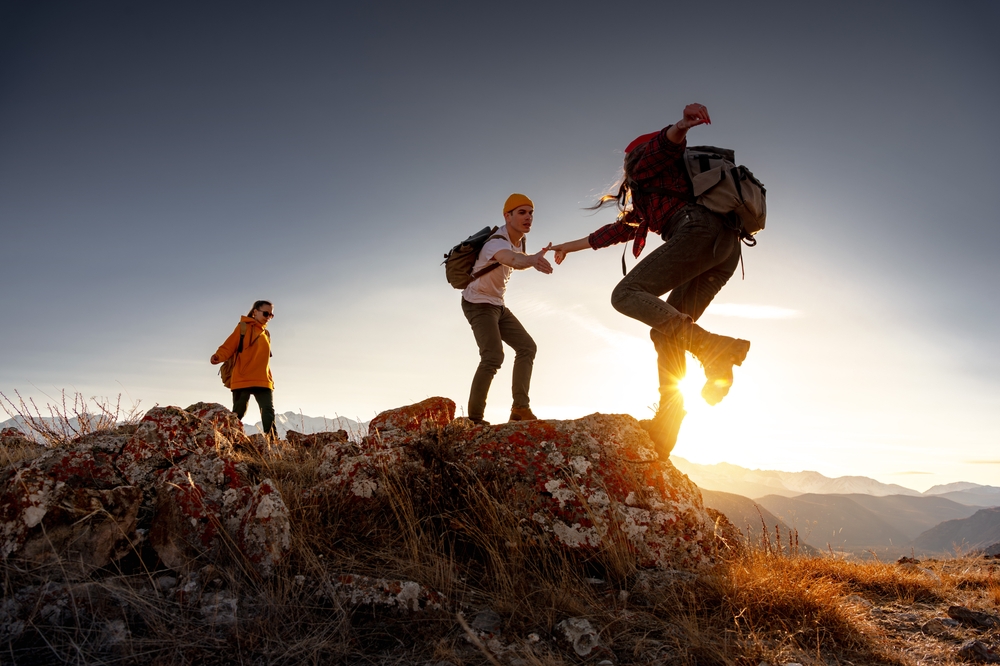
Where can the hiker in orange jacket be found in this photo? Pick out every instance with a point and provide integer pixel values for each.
(251, 369)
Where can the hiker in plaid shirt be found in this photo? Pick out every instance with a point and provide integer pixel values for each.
(699, 255)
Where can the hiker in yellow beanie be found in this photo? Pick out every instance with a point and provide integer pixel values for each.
(492, 323)
(515, 200)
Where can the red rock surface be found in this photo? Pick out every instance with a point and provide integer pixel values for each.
(413, 419)
(165, 435)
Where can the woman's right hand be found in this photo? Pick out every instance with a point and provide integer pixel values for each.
(560, 251)
(694, 115)
(215, 360)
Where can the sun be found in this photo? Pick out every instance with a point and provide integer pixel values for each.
(690, 387)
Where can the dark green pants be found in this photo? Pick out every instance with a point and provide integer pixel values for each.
(493, 325)
(265, 400)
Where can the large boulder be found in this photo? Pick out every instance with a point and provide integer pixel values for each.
(79, 504)
(69, 505)
(166, 435)
(587, 485)
(413, 419)
(205, 502)
(224, 420)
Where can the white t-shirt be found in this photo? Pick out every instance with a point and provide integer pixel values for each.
(491, 287)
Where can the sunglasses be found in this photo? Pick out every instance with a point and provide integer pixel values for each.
(267, 315)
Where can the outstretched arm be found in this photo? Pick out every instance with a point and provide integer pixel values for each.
(694, 115)
(563, 249)
(520, 261)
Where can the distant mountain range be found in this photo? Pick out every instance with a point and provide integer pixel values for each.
(981, 531)
(311, 424)
(760, 483)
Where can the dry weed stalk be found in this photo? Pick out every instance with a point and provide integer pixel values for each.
(69, 417)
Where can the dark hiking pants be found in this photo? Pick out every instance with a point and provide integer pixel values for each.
(265, 400)
(493, 325)
(697, 259)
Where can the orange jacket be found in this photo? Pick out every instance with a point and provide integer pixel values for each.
(252, 365)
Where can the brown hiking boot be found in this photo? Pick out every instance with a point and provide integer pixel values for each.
(718, 354)
(521, 414)
(665, 426)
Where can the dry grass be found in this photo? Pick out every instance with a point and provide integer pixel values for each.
(450, 531)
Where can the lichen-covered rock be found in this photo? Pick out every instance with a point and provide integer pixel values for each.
(412, 420)
(264, 533)
(13, 437)
(224, 420)
(165, 435)
(588, 485)
(592, 482)
(316, 439)
(196, 500)
(68, 504)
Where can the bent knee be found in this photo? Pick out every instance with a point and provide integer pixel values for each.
(527, 349)
(620, 297)
(491, 360)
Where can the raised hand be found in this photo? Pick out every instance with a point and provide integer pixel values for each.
(694, 115)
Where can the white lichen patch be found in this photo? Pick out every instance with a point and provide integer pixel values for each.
(580, 464)
(577, 535)
(559, 493)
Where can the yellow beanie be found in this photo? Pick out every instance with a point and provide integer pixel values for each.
(515, 200)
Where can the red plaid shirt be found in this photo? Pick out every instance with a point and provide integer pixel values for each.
(662, 166)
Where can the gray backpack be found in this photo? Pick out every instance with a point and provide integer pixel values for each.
(722, 187)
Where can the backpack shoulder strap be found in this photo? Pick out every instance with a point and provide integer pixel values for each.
(243, 332)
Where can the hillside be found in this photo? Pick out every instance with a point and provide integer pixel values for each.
(750, 517)
(979, 531)
(755, 483)
(435, 541)
(984, 496)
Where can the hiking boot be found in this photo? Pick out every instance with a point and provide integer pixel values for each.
(521, 414)
(479, 422)
(664, 427)
(718, 354)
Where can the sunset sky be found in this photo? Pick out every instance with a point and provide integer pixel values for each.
(163, 165)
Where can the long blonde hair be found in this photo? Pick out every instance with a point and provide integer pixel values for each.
(622, 198)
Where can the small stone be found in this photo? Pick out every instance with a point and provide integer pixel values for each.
(300, 580)
(164, 583)
(580, 634)
(487, 621)
(858, 599)
(973, 618)
(935, 627)
(978, 652)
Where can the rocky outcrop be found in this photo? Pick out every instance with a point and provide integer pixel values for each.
(587, 485)
(79, 504)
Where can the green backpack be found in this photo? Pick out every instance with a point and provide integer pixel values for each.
(226, 371)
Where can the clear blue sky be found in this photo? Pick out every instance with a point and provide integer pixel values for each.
(162, 165)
